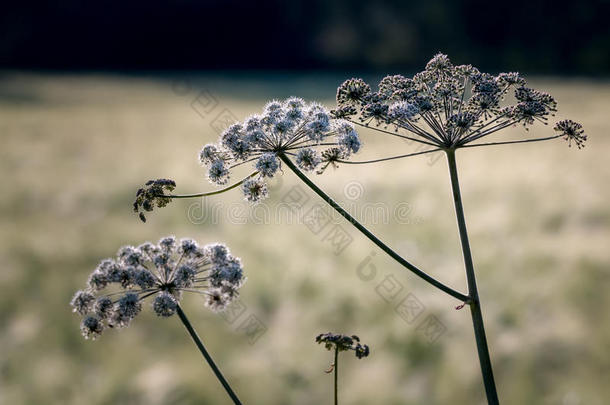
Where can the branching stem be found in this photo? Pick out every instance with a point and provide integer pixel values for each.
(371, 236)
(351, 162)
(474, 145)
(209, 193)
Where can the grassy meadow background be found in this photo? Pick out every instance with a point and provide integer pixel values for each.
(75, 147)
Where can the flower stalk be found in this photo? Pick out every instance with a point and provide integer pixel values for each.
(341, 343)
(474, 302)
(209, 193)
(206, 355)
(336, 372)
(426, 277)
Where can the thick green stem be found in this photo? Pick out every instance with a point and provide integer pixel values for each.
(336, 368)
(475, 304)
(207, 356)
(372, 237)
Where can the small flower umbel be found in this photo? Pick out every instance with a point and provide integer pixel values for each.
(448, 107)
(305, 132)
(117, 288)
(153, 195)
(341, 343)
(571, 132)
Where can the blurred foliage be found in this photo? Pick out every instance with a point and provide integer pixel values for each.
(76, 147)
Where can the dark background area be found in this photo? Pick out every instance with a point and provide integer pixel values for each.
(542, 37)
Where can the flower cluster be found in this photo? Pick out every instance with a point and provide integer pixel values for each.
(342, 343)
(447, 105)
(162, 271)
(151, 195)
(289, 128)
(571, 132)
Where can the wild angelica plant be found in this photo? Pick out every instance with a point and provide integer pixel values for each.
(444, 107)
(117, 287)
(341, 343)
(449, 107)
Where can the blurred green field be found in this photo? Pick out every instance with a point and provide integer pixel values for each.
(75, 147)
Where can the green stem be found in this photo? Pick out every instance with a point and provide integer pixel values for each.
(373, 238)
(336, 368)
(206, 194)
(207, 356)
(474, 145)
(363, 162)
(475, 304)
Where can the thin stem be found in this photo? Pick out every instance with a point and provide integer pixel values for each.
(488, 131)
(413, 128)
(509, 142)
(475, 304)
(222, 190)
(351, 162)
(207, 356)
(336, 368)
(393, 133)
(373, 238)
(480, 127)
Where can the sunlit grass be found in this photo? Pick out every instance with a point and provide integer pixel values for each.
(76, 147)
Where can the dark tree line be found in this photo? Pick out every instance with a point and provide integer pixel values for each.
(537, 36)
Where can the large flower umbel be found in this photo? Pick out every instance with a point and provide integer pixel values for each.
(449, 106)
(292, 128)
(116, 288)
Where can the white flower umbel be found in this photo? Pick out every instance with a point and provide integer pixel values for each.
(449, 107)
(162, 271)
(293, 128)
